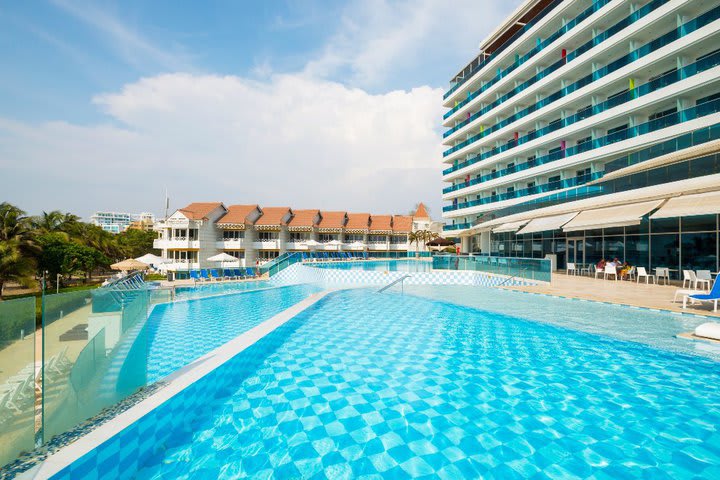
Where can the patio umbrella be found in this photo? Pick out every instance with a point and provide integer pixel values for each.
(129, 264)
(312, 243)
(223, 258)
(440, 242)
(358, 244)
(151, 259)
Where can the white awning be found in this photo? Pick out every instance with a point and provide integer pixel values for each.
(543, 224)
(689, 205)
(509, 227)
(619, 216)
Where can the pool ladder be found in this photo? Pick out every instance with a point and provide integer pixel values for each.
(397, 280)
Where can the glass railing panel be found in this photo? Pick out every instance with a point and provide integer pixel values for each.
(91, 358)
(511, 267)
(18, 378)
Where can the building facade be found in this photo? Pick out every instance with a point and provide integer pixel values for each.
(116, 222)
(250, 233)
(588, 130)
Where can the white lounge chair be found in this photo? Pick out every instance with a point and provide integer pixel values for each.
(610, 270)
(704, 277)
(641, 272)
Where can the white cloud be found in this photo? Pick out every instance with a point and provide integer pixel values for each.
(380, 40)
(293, 140)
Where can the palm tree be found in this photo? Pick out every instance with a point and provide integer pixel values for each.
(415, 237)
(17, 249)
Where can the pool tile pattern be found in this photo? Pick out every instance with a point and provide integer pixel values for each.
(385, 386)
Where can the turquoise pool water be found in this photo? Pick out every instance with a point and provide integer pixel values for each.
(389, 386)
(181, 332)
(379, 265)
(208, 289)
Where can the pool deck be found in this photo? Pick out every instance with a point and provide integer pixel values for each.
(621, 292)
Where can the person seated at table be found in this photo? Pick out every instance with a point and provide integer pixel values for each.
(601, 265)
(611, 264)
(624, 270)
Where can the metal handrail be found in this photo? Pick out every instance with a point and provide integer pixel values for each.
(514, 276)
(401, 279)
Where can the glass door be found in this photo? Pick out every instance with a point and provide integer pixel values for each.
(575, 252)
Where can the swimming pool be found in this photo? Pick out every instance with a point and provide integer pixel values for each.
(429, 388)
(408, 265)
(182, 331)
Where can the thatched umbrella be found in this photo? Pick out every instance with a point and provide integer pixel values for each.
(129, 264)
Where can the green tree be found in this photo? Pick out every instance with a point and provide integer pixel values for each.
(17, 249)
(135, 243)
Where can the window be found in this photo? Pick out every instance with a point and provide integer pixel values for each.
(267, 236)
(239, 254)
(377, 238)
(584, 112)
(617, 134)
(299, 236)
(555, 179)
(510, 167)
(616, 95)
(554, 150)
(329, 237)
(233, 234)
(583, 173)
(709, 98)
(531, 185)
(584, 140)
(703, 57)
(664, 113)
(619, 128)
(398, 239)
(531, 160)
(510, 190)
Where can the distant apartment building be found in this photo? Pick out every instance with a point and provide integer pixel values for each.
(590, 129)
(192, 234)
(116, 222)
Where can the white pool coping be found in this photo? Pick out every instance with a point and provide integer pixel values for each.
(176, 383)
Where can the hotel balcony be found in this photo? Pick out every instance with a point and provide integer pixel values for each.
(182, 266)
(234, 244)
(378, 246)
(175, 243)
(267, 245)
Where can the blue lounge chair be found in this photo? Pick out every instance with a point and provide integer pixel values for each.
(215, 275)
(227, 273)
(238, 273)
(204, 274)
(713, 296)
(249, 272)
(195, 275)
(304, 257)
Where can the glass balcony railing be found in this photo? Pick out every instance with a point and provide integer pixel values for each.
(629, 20)
(693, 168)
(698, 111)
(457, 226)
(669, 78)
(541, 45)
(523, 192)
(646, 49)
(681, 31)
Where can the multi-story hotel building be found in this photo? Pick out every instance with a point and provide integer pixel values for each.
(191, 235)
(116, 222)
(590, 129)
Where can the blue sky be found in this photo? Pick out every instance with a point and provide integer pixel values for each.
(337, 102)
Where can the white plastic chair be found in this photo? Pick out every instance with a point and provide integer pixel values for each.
(610, 270)
(689, 279)
(597, 271)
(641, 272)
(704, 278)
(571, 268)
(632, 273)
(663, 273)
(586, 269)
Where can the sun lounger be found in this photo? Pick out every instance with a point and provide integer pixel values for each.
(227, 273)
(713, 296)
(204, 275)
(249, 272)
(195, 275)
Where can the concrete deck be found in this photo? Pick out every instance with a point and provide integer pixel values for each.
(622, 292)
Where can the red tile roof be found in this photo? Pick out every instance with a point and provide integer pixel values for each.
(200, 210)
(421, 211)
(402, 224)
(381, 223)
(303, 218)
(272, 216)
(358, 221)
(237, 214)
(332, 220)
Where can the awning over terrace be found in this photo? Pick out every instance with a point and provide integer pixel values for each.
(552, 222)
(618, 216)
(690, 205)
(509, 227)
